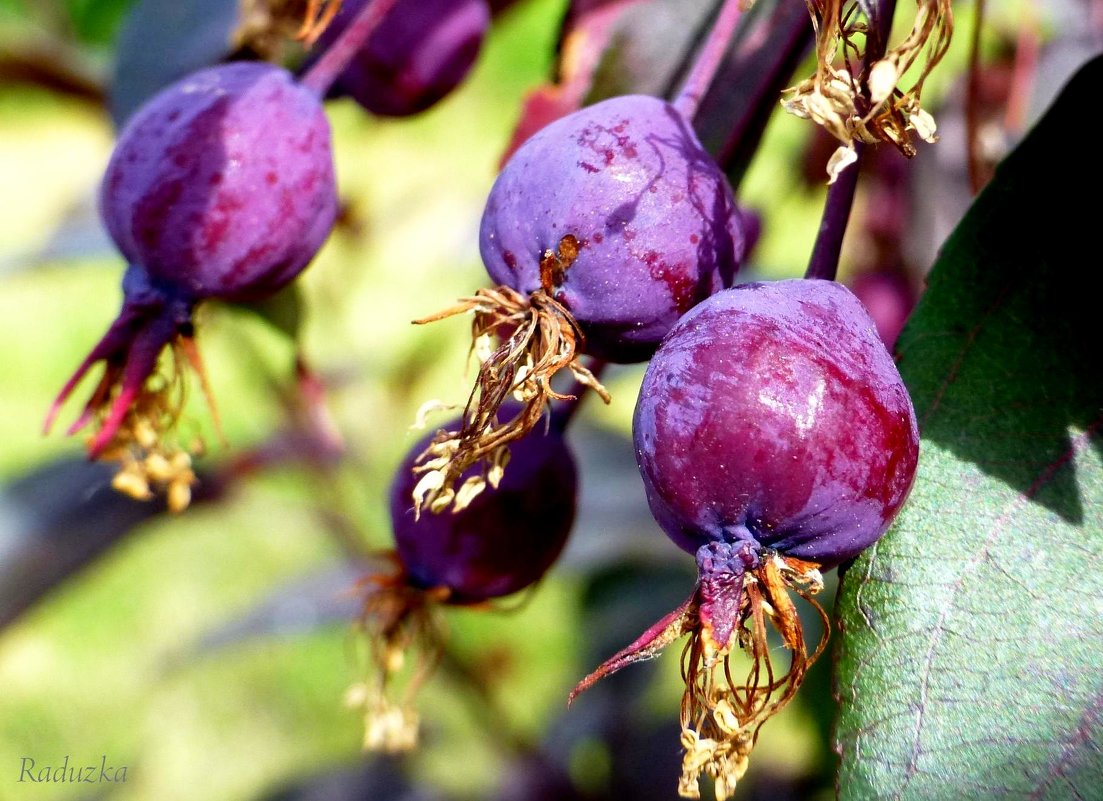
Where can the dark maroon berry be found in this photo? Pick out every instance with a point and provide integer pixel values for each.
(775, 438)
(774, 414)
(501, 542)
(421, 51)
(889, 299)
(602, 229)
(221, 186)
(504, 539)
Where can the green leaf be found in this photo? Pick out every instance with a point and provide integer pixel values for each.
(971, 659)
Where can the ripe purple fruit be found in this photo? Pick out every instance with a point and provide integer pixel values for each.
(651, 215)
(221, 186)
(503, 541)
(602, 229)
(775, 438)
(421, 51)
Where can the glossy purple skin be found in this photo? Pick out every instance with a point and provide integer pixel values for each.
(506, 539)
(629, 180)
(773, 413)
(421, 51)
(223, 184)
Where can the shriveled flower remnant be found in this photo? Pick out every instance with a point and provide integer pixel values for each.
(543, 338)
(858, 101)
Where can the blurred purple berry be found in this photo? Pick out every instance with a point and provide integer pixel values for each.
(421, 51)
(221, 186)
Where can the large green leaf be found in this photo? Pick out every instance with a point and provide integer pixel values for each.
(971, 659)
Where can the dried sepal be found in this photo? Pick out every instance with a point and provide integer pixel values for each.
(404, 640)
(267, 26)
(139, 431)
(720, 714)
(316, 18)
(537, 338)
(858, 101)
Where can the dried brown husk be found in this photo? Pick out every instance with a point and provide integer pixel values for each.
(268, 26)
(405, 643)
(860, 99)
(537, 338)
(721, 715)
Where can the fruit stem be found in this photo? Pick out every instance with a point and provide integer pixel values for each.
(824, 262)
(708, 61)
(337, 56)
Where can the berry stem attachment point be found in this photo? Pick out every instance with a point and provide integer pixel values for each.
(711, 55)
(337, 57)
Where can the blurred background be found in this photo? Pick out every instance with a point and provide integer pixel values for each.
(209, 652)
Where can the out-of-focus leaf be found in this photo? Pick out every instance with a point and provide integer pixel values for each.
(651, 47)
(613, 522)
(301, 606)
(53, 522)
(378, 778)
(95, 21)
(583, 37)
(162, 41)
(611, 47)
(283, 310)
(973, 632)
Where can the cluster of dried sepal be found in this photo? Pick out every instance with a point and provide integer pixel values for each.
(720, 715)
(859, 101)
(143, 445)
(399, 624)
(538, 337)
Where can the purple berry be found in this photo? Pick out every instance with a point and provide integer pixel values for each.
(773, 414)
(221, 186)
(655, 223)
(775, 438)
(421, 51)
(506, 538)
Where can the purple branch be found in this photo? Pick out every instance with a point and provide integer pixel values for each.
(709, 59)
(337, 56)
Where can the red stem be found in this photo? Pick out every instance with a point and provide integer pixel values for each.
(338, 55)
(709, 59)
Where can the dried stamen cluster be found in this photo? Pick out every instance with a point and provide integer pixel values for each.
(397, 619)
(732, 609)
(720, 716)
(859, 99)
(542, 339)
(268, 26)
